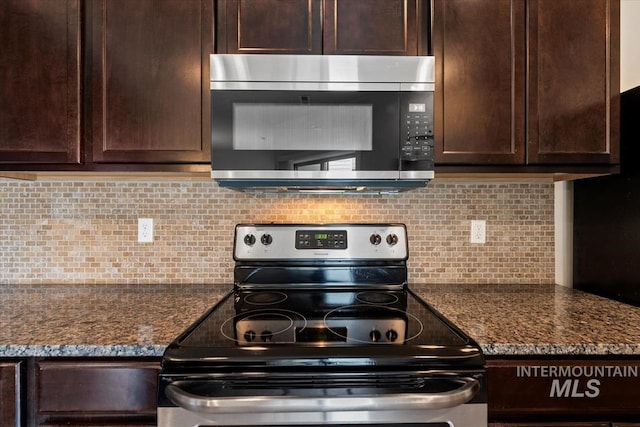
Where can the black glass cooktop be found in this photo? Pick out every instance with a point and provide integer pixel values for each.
(322, 326)
(321, 318)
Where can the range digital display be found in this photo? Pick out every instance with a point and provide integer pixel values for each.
(321, 239)
(319, 335)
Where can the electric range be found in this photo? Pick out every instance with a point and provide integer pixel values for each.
(321, 327)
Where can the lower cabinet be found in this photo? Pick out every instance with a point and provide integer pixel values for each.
(564, 392)
(91, 392)
(11, 399)
(101, 392)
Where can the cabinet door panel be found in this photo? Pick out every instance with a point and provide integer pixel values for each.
(573, 81)
(10, 394)
(551, 389)
(270, 26)
(150, 68)
(480, 63)
(379, 27)
(81, 390)
(40, 81)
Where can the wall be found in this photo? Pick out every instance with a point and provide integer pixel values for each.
(86, 232)
(563, 221)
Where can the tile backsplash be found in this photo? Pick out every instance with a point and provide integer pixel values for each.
(86, 232)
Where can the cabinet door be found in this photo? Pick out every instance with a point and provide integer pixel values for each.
(480, 64)
(122, 391)
(269, 26)
(40, 81)
(10, 394)
(573, 96)
(547, 390)
(375, 27)
(150, 80)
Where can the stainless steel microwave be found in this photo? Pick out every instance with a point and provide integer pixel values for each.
(321, 122)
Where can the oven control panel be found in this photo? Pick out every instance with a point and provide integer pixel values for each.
(326, 241)
(344, 331)
(321, 239)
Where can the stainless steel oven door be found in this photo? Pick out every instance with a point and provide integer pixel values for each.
(433, 401)
(468, 415)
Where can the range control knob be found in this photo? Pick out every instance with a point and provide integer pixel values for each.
(266, 239)
(249, 239)
(266, 335)
(375, 239)
(391, 335)
(375, 335)
(392, 239)
(249, 336)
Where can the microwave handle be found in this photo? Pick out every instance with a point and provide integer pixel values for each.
(284, 404)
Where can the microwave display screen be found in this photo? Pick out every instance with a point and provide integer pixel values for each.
(323, 127)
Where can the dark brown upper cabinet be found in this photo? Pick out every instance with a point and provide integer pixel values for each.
(479, 48)
(527, 82)
(40, 81)
(149, 80)
(574, 81)
(374, 27)
(115, 85)
(269, 26)
(352, 27)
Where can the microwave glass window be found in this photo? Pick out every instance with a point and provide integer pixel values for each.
(346, 164)
(310, 167)
(264, 126)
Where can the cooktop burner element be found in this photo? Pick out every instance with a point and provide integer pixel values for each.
(265, 298)
(272, 325)
(376, 298)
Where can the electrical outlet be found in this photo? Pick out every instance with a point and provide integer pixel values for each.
(478, 231)
(145, 230)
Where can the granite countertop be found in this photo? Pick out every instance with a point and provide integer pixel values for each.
(98, 320)
(141, 320)
(521, 320)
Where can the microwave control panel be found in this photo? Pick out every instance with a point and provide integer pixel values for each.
(417, 127)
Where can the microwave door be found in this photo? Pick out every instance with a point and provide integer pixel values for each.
(338, 132)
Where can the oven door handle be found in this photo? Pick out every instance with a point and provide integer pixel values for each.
(271, 404)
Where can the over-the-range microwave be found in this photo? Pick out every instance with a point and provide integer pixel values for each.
(322, 122)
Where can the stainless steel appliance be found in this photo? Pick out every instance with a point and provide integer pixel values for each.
(321, 328)
(322, 122)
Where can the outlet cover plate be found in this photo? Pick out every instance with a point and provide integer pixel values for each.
(478, 231)
(145, 230)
